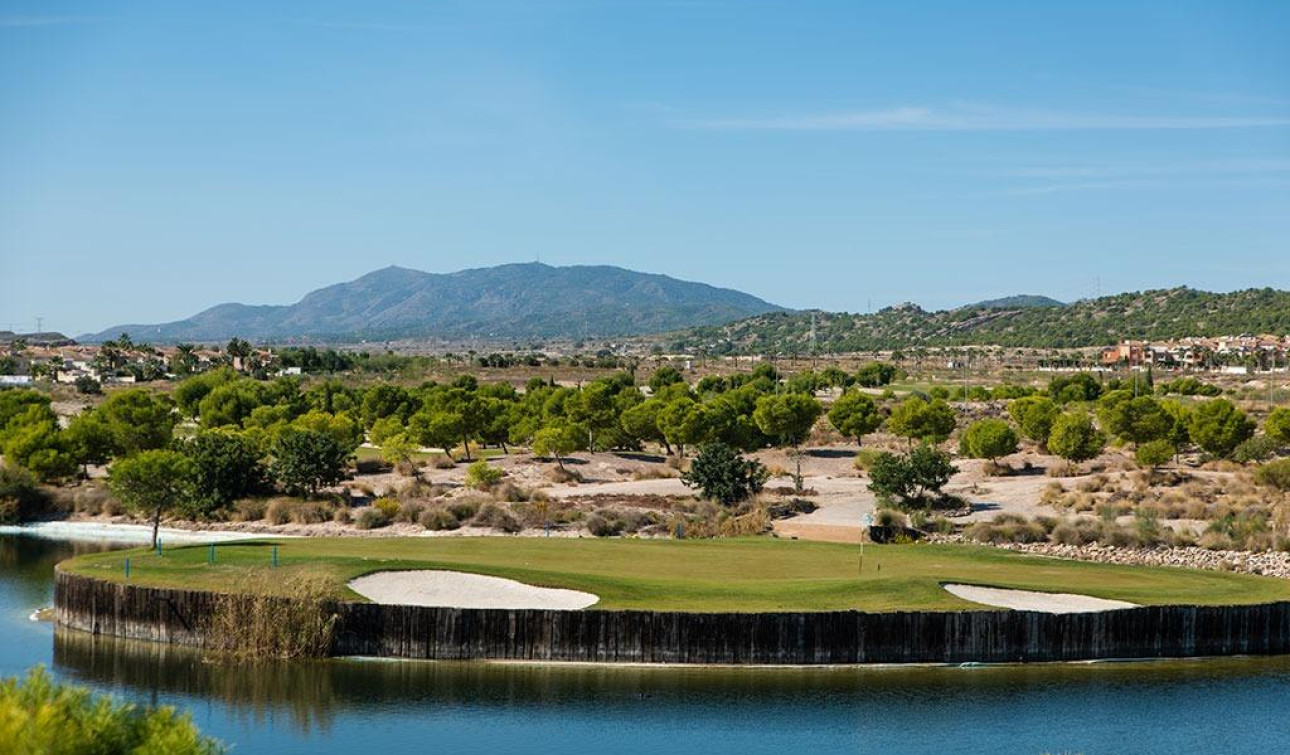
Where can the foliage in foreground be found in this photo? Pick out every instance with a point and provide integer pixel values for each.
(41, 716)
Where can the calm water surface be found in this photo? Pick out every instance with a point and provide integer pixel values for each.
(385, 708)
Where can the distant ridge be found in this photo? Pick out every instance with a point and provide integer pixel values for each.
(1018, 301)
(1160, 314)
(529, 300)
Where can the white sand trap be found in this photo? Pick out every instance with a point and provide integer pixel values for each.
(1026, 600)
(453, 589)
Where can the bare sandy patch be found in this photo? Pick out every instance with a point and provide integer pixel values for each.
(450, 589)
(1027, 600)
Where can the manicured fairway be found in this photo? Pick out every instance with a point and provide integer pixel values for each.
(755, 574)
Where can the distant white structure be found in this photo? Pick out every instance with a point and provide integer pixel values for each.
(15, 379)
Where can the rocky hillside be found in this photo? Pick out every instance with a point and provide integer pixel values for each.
(1161, 314)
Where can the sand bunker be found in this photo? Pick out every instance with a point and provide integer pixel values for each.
(1025, 600)
(460, 590)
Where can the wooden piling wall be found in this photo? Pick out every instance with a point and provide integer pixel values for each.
(805, 638)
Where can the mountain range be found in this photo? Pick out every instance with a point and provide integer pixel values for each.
(529, 300)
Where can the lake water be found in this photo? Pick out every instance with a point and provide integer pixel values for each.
(386, 708)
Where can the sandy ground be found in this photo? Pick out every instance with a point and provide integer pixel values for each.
(1043, 602)
(461, 590)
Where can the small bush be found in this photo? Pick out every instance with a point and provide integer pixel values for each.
(249, 510)
(482, 476)
(1274, 474)
(387, 506)
(600, 526)
(278, 512)
(438, 520)
(498, 518)
(562, 475)
(342, 515)
(865, 458)
(464, 510)
(442, 461)
(371, 518)
(370, 466)
(1258, 448)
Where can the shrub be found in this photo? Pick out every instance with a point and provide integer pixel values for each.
(1258, 448)
(722, 474)
(438, 520)
(1154, 453)
(563, 475)
(464, 510)
(21, 499)
(1274, 474)
(249, 510)
(988, 439)
(601, 526)
(442, 461)
(371, 518)
(482, 476)
(310, 512)
(498, 518)
(865, 458)
(43, 716)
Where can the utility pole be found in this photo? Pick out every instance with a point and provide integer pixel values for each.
(40, 325)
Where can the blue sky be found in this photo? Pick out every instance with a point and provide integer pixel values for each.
(157, 158)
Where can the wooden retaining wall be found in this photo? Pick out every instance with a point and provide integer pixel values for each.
(834, 637)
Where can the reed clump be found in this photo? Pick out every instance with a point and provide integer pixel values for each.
(248, 626)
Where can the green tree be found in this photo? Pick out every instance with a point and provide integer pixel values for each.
(15, 403)
(90, 439)
(40, 447)
(855, 415)
(306, 461)
(153, 482)
(1075, 439)
(1035, 416)
(556, 441)
(1135, 420)
(1277, 425)
(640, 423)
(877, 374)
(912, 480)
(1218, 427)
(226, 467)
(663, 377)
(1078, 387)
(678, 420)
(139, 421)
(788, 418)
(988, 439)
(722, 475)
(926, 421)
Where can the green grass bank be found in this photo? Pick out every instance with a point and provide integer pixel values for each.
(735, 575)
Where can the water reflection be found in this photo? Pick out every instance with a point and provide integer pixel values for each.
(312, 694)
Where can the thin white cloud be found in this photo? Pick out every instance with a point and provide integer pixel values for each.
(919, 118)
